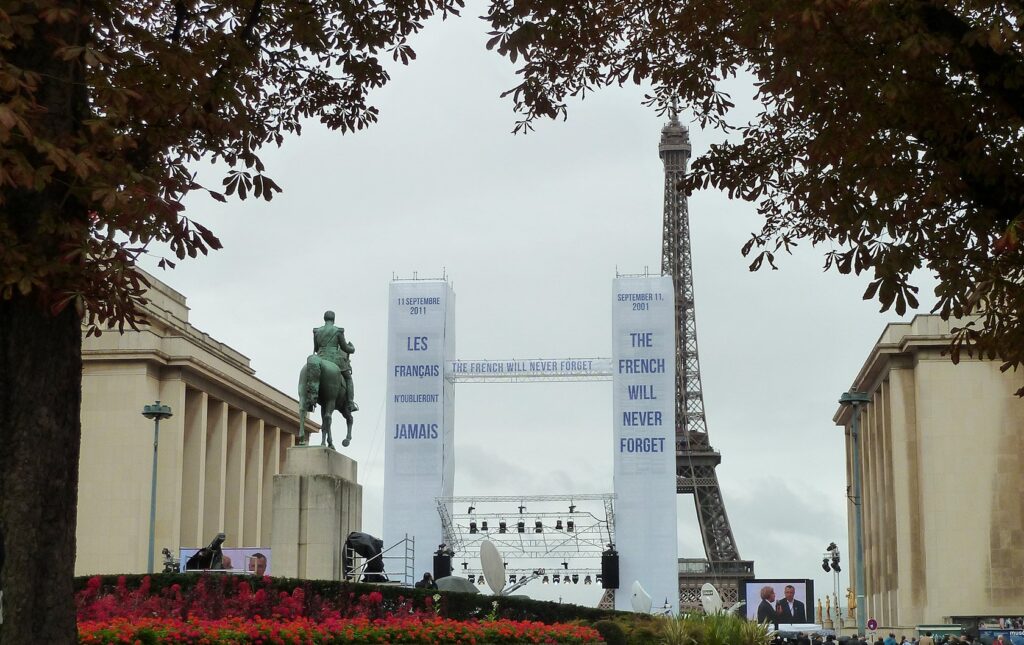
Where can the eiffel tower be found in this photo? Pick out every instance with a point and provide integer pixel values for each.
(695, 458)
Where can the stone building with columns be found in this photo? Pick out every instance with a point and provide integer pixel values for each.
(942, 466)
(218, 453)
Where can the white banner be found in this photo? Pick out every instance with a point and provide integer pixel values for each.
(419, 452)
(513, 368)
(643, 382)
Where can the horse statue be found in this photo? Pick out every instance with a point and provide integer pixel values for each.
(321, 381)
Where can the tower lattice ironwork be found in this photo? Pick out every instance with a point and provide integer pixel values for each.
(695, 458)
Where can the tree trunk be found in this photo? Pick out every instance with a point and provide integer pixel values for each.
(40, 437)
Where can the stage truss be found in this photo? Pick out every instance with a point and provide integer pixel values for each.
(574, 531)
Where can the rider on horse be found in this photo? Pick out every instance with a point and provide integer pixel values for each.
(330, 345)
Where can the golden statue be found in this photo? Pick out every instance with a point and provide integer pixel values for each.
(851, 603)
(828, 606)
(817, 618)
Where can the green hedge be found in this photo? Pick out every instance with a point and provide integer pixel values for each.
(459, 606)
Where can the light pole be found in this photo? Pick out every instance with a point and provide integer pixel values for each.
(154, 412)
(830, 563)
(856, 399)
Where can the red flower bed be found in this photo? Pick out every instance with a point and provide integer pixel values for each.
(218, 597)
(304, 631)
(228, 609)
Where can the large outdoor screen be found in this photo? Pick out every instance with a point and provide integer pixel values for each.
(252, 561)
(781, 601)
(1011, 627)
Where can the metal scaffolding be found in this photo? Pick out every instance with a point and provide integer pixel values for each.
(563, 534)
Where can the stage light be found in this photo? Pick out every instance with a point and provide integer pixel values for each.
(572, 507)
(472, 578)
(502, 527)
(587, 580)
(483, 526)
(565, 565)
(597, 578)
(570, 526)
(544, 580)
(832, 552)
(521, 527)
(480, 580)
(465, 565)
(539, 527)
(558, 525)
(521, 509)
(471, 509)
(555, 578)
(511, 578)
(575, 578)
(472, 527)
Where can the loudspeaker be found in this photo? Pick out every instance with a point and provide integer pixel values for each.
(610, 570)
(443, 566)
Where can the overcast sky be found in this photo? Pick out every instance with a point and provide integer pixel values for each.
(530, 230)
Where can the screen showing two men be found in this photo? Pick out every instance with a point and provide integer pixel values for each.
(779, 601)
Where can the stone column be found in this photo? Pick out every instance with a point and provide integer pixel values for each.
(317, 503)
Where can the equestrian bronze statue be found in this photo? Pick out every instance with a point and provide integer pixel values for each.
(326, 378)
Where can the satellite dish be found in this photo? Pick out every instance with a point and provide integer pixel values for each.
(641, 599)
(493, 566)
(710, 599)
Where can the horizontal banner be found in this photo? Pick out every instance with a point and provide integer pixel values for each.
(531, 368)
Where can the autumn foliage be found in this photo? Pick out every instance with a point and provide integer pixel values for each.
(107, 106)
(888, 132)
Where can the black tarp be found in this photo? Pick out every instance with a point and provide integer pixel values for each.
(370, 549)
(209, 557)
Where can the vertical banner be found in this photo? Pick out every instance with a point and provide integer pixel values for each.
(419, 454)
(643, 381)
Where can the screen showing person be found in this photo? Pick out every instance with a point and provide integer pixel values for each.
(766, 610)
(239, 561)
(789, 609)
(258, 565)
(779, 600)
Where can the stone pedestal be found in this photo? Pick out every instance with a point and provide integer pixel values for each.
(317, 503)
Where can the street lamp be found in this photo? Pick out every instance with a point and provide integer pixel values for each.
(154, 412)
(856, 399)
(830, 563)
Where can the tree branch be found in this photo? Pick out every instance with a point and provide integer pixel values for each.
(180, 15)
(997, 73)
